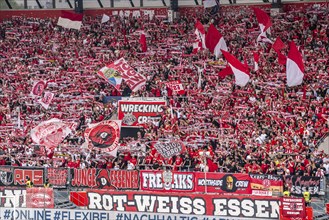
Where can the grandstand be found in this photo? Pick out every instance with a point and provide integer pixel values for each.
(195, 100)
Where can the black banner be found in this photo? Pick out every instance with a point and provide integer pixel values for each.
(299, 184)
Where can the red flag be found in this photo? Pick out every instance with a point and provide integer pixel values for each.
(240, 71)
(200, 33)
(142, 41)
(282, 59)
(278, 44)
(263, 19)
(225, 72)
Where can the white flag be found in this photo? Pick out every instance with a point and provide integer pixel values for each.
(105, 18)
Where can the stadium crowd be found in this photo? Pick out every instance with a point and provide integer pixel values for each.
(264, 127)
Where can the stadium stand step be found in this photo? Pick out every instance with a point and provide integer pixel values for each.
(65, 205)
(62, 200)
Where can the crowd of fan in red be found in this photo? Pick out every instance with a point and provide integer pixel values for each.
(264, 127)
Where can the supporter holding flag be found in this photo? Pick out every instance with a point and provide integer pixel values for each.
(215, 41)
(295, 66)
(239, 70)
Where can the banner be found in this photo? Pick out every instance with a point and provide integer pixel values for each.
(38, 88)
(134, 80)
(167, 181)
(36, 175)
(12, 197)
(70, 214)
(134, 113)
(50, 133)
(104, 136)
(293, 207)
(39, 197)
(58, 177)
(46, 99)
(222, 183)
(299, 184)
(176, 86)
(266, 182)
(169, 149)
(237, 207)
(104, 179)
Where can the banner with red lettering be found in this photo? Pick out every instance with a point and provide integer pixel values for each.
(266, 182)
(134, 80)
(214, 205)
(58, 177)
(176, 86)
(38, 88)
(50, 133)
(104, 179)
(104, 136)
(293, 207)
(39, 197)
(236, 183)
(136, 113)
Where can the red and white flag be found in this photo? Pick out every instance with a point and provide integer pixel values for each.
(51, 133)
(200, 34)
(38, 88)
(215, 41)
(295, 66)
(263, 19)
(264, 23)
(256, 60)
(104, 136)
(70, 20)
(209, 3)
(134, 80)
(241, 72)
(225, 72)
(46, 99)
(142, 41)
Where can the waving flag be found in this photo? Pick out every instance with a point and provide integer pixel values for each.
(143, 43)
(105, 18)
(225, 72)
(264, 23)
(241, 72)
(110, 74)
(46, 99)
(70, 20)
(51, 133)
(38, 88)
(209, 3)
(200, 33)
(278, 44)
(215, 41)
(104, 136)
(295, 66)
(256, 60)
(263, 19)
